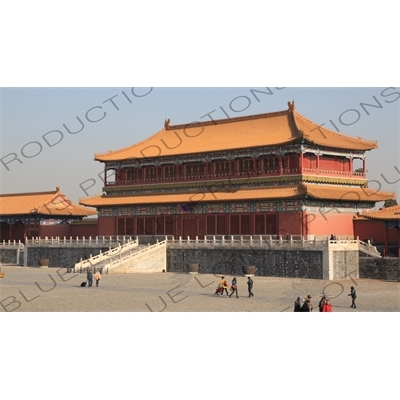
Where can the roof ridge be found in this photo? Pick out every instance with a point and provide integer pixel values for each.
(225, 120)
(129, 147)
(29, 193)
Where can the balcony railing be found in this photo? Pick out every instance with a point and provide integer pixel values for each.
(205, 177)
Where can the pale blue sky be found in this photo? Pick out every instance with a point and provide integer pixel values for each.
(30, 113)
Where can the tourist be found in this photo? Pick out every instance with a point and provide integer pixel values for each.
(97, 277)
(224, 285)
(332, 237)
(307, 306)
(353, 295)
(297, 304)
(234, 288)
(250, 286)
(322, 303)
(327, 306)
(89, 277)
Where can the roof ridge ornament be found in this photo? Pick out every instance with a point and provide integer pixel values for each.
(166, 123)
(291, 106)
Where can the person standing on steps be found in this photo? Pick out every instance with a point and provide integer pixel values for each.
(250, 286)
(234, 288)
(353, 295)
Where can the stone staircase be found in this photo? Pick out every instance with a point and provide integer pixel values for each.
(103, 259)
(151, 258)
(369, 249)
(128, 258)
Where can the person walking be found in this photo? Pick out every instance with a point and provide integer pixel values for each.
(89, 277)
(224, 285)
(297, 305)
(307, 306)
(250, 286)
(97, 277)
(322, 303)
(353, 295)
(234, 288)
(327, 306)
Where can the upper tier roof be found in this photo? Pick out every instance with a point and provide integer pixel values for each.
(269, 129)
(44, 203)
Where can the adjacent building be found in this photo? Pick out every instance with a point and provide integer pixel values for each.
(28, 215)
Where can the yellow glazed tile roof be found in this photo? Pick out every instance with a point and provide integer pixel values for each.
(206, 196)
(388, 213)
(286, 192)
(269, 129)
(46, 203)
(347, 193)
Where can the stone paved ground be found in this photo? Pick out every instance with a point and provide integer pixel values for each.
(36, 289)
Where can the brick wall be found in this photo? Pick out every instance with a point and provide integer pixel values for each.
(380, 268)
(61, 256)
(287, 264)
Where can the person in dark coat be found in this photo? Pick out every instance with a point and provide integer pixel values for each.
(297, 305)
(353, 295)
(322, 303)
(250, 286)
(89, 277)
(307, 306)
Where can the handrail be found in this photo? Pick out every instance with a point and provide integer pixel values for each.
(57, 241)
(115, 263)
(102, 257)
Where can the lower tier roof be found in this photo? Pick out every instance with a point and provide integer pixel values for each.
(323, 192)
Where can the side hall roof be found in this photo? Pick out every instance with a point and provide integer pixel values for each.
(53, 203)
(385, 214)
(270, 129)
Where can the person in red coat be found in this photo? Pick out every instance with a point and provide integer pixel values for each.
(327, 306)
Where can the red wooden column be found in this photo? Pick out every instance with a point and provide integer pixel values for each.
(105, 177)
(386, 252)
(398, 242)
(280, 165)
(301, 163)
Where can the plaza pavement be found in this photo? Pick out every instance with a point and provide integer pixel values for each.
(25, 289)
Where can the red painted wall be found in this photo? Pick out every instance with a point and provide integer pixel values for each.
(325, 224)
(290, 222)
(106, 226)
(374, 230)
(59, 230)
(83, 230)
